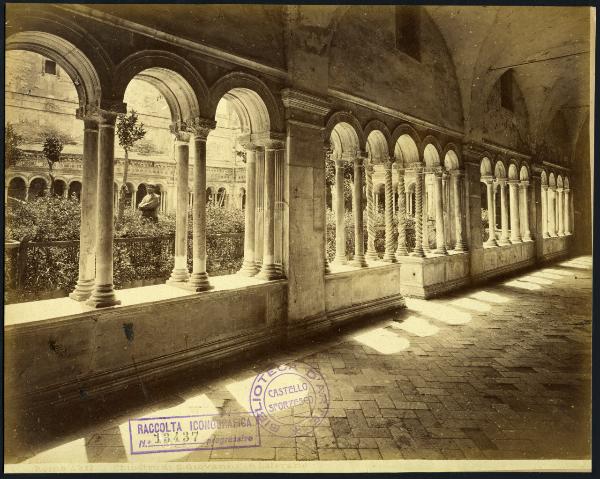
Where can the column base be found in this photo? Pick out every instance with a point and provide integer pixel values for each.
(326, 267)
(527, 238)
(389, 257)
(503, 241)
(371, 256)
(198, 282)
(491, 243)
(440, 251)
(359, 261)
(546, 235)
(248, 269)
(418, 252)
(269, 272)
(83, 290)
(461, 247)
(515, 240)
(178, 276)
(401, 251)
(103, 296)
(339, 260)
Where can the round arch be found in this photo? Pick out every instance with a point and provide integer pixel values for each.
(379, 128)
(177, 80)
(17, 188)
(377, 147)
(344, 140)
(524, 173)
(559, 181)
(485, 168)
(544, 177)
(431, 155)
(551, 179)
(74, 189)
(350, 125)
(248, 90)
(500, 170)
(451, 161)
(513, 172)
(406, 150)
(77, 65)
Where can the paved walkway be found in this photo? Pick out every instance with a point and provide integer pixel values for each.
(498, 372)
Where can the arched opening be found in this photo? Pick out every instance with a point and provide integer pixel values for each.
(75, 190)
(129, 196)
(500, 199)
(221, 199)
(37, 188)
(380, 197)
(140, 193)
(60, 188)
(242, 202)
(17, 188)
(431, 156)
(486, 191)
(451, 199)
(210, 196)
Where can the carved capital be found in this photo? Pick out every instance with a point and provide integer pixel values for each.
(388, 163)
(179, 130)
(488, 180)
(199, 127)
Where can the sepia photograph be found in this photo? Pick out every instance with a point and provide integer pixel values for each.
(298, 238)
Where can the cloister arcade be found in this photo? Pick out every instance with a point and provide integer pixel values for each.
(431, 181)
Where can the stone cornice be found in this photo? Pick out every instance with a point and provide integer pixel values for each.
(503, 150)
(547, 164)
(144, 30)
(304, 101)
(394, 113)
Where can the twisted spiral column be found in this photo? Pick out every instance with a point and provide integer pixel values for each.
(425, 215)
(371, 254)
(418, 251)
(401, 250)
(388, 256)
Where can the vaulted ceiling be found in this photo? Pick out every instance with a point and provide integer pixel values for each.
(547, 48)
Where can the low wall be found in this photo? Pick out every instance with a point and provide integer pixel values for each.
(99, 351)
(359, 292)
(555, 248)
(432, 276)
(501, 260)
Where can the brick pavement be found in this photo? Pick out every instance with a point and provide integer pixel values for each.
(497, 372)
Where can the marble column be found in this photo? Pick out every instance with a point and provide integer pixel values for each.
(456, 176)
(401, 250)
(515, 229)
(560, 210)
(103, 294)
(269, 269)
(567, 215)
(278, 211)
(524, 209)
(357, 212)
(504, 238)
(198, 281)
(389, 256)
(545, 216)
(180, 273)
(418, 250)
(551, 211)
(249, 267)
(440, 233)
(26, 192)
(425, 215)
(489, 183)
(328, 151)
(371, 254)
(89, 192)
(340, 227)
(260, 208)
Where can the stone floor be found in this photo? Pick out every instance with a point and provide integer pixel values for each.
(497, 372)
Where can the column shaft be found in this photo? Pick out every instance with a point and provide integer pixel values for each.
(260, 208)
(491, 241)
(560, 211)
(456, 189)
(440, 234)
(103, 294)
(515, 230)
(545, 232)
(418, 249)
(249, 267)
(551, 212)
(357, 212)
(371, 254)
(567, 215)
(180, 272)
(340, 227)
(389, 256)
(425, 215)
(199, 278)
(503, 213)
(269, 270)
(401, 250)
(524, 208)
(89, 193)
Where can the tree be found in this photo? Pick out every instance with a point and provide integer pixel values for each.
(53, 146)
(129, 133)
(12, 141)
(348, 178)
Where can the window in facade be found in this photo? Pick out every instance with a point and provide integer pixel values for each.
(408, 30)
(50, 68)
(506, 90)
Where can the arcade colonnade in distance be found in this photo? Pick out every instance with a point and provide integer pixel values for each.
(297, 115)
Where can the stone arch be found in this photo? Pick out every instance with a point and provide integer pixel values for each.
(37, 186)
(431, 154)
(74, 188)
(406, 140)
(567, 182)
(344, 141)
(513, 172)
(500, 170)
(551, 179)
(60, 186)
(76, 64)
(177, 80)
(524, 173)
(350, 128)
(17, 188)
(262, 108)
(377, 147)
(544, 177)
(380, 129)
(221, 196)
(559, 181)
(451, 161)
(485, 168)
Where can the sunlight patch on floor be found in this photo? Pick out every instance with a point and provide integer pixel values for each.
(559, 272)
(545, 275)
(383, 341)
(438, 311)
(70, 452)
(472, 304)
(535, 279)
(522, 285)
(417, 326)
(240, 390)
(490, 297)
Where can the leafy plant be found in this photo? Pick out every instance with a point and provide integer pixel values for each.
(53, 146)
(129, 132)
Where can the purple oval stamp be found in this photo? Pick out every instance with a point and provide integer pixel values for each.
(289, 399)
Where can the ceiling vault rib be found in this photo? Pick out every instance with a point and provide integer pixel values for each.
(539, 60)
